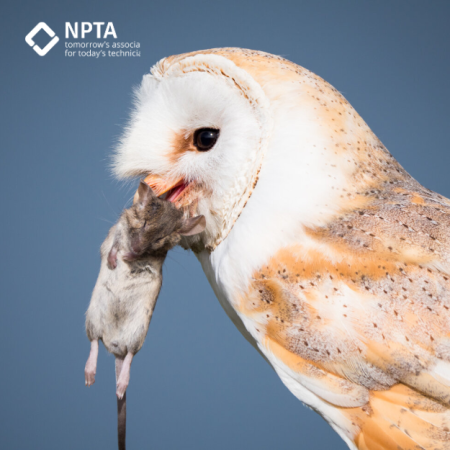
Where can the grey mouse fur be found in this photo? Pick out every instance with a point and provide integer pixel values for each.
(129, 283)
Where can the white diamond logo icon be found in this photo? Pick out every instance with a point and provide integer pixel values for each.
(29, 38)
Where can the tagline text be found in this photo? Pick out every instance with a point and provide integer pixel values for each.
(102, 49)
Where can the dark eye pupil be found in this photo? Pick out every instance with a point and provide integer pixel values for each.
(205, 138)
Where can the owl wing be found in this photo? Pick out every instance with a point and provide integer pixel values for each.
(356, 321)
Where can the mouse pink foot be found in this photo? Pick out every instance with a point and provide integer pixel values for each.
(123, 374)
(91, 364)
(122, 385)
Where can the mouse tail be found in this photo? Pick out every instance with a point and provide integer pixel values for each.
(121, 411)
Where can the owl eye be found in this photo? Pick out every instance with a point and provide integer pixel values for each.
(205, 138)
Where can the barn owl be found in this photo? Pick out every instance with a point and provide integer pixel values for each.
(325, 253)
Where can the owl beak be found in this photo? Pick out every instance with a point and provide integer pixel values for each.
(161, 186)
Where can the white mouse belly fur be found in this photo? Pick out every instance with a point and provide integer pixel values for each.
(123, 301)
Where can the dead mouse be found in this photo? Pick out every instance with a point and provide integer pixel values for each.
(129, 282)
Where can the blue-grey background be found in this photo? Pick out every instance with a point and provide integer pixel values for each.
(196, 384)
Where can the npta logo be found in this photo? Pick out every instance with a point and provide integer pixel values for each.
(29, 38)
(86, 28)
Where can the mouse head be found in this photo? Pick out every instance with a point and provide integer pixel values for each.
(155, 225)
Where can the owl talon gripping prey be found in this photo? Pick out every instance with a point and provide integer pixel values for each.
(129, 282)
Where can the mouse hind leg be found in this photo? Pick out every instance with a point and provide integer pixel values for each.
(91, 364)
(123, 374)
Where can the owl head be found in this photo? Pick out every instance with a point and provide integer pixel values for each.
(225, 131)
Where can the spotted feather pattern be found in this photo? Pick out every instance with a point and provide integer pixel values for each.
(361, 315)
